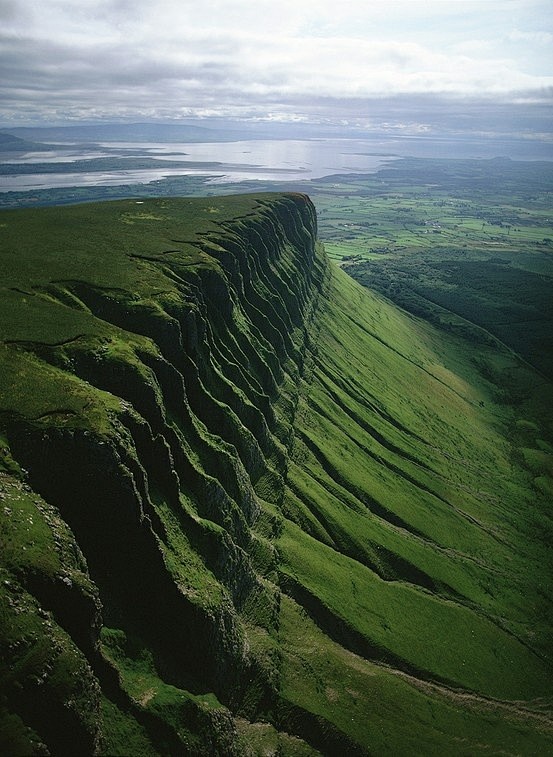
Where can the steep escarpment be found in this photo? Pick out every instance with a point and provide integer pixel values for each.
(249, 507)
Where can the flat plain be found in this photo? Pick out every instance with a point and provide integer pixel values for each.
(464, 244)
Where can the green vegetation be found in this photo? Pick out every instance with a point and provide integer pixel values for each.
(250, 507)
(49, 605)
(467, 245)
(91, 165)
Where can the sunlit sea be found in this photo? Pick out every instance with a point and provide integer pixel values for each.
(289, 160)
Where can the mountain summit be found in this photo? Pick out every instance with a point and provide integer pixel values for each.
(250, 507)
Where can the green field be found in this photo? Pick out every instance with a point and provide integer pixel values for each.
(460, 243)
(251, 507)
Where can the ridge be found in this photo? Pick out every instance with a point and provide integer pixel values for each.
(248, 505)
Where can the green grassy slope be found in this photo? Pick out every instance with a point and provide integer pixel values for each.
(422, 544)
(249, 507)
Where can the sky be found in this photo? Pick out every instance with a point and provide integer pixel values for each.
(391, 64)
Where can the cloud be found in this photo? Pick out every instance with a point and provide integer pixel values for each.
(113, 58)
(534, 37)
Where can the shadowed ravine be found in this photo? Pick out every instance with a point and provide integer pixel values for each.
(248, 507)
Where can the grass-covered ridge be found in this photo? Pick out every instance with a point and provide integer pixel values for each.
(253, 508)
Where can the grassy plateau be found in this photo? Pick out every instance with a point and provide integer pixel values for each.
(249, 506)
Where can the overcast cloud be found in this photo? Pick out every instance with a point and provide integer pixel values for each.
(286, 59)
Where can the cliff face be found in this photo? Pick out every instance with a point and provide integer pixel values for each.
(157, 422)
(233, 513)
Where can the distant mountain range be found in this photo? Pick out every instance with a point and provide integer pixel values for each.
(139, 132)
(217, 131)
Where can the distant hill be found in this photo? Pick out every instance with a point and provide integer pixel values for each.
(10, 143)
(140, 132)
